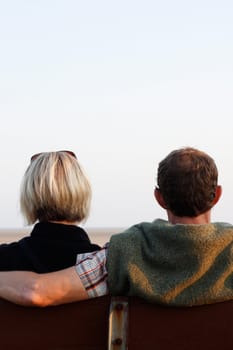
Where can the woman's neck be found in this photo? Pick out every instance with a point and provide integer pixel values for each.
(64, 222)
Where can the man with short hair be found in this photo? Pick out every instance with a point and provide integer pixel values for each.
(184, 261)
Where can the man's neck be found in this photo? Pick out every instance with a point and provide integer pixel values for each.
(198, 220)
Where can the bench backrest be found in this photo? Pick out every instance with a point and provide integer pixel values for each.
(85, 326)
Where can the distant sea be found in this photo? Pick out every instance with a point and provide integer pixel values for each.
(98, 235)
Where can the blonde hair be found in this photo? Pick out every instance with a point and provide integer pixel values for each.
(55, 188)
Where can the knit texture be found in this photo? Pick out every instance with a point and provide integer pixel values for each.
(179, 265)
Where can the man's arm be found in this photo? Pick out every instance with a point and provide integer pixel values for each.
(32, 289)
(87, 279)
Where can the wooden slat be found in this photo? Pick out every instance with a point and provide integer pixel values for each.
(82, 326)
(165, 328)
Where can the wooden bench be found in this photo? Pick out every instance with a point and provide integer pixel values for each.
(134, 325)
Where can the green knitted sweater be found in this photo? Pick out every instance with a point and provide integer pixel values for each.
(179, 265)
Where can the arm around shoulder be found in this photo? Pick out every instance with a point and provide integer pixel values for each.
(32, 289)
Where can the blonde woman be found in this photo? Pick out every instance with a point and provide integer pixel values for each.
(55, 196)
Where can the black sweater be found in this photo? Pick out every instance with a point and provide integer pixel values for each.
(50, 247)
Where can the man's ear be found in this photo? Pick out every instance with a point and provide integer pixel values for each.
(159, 198)
(218, 193)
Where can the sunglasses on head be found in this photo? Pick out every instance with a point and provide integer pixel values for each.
(35, 156)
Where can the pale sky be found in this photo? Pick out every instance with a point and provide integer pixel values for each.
(121, 84)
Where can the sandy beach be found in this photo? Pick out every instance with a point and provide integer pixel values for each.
(97, 235)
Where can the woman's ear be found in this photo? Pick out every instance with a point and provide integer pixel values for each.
(159, 198)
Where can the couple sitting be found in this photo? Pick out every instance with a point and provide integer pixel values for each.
(184, 261)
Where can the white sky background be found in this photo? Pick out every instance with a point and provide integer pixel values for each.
(121, 84)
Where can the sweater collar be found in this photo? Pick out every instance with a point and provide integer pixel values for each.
(58, 231)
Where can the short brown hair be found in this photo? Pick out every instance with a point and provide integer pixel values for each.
(55, 188)
(187, 179)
